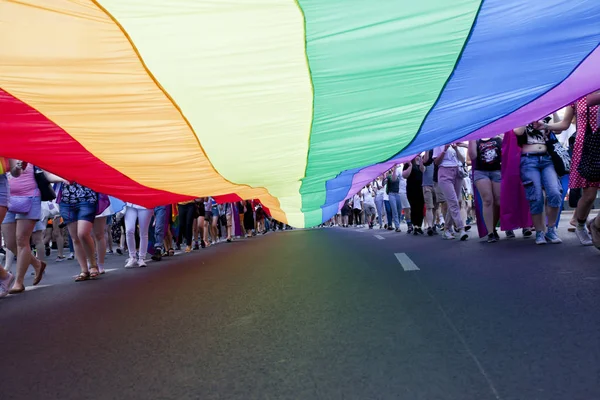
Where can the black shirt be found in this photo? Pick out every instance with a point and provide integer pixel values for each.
(489, 154)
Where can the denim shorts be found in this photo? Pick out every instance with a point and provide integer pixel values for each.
(3, 191)
(84, 211)
(34, 214)
(494, 176)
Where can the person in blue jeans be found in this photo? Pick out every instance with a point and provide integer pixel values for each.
(393, 189)
(160, 226)
(538, 176)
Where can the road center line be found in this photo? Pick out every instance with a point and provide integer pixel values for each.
(379, 237)
(406, 262)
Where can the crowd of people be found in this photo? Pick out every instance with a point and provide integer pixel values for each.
(444, 190)
(439, 192)
(39, 210)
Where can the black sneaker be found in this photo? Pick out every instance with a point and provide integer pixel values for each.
(196, 247)
(496, 235)
(492, 238)
(202, 244)
(157, 256)
(510, 234)
(429, 231)
(527, 233)
(410, 229)
(390, 228)
(48, 251)
(398, 230)
(419, 231)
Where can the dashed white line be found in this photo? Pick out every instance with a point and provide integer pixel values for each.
(379, 237)
(36, 287)
(406, 262)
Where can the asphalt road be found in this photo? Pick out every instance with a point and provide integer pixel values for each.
(315, 314)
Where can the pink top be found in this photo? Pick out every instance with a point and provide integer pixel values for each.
(25, 184)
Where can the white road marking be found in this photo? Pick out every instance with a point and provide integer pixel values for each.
(379, 237)
(36, 287)
(406, 262)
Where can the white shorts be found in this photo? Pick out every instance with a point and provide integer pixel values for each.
(404, 200)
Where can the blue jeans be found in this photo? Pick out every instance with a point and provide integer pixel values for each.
(538, 175)
(388, 212)
(160, 222)
(396, 204)
(379, 206)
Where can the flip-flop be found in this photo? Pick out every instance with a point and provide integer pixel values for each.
(39, 275)
(16, 291)
(171, 252)
(94, 275)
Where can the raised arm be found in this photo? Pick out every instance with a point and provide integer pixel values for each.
(406, 173)
(594, 99)
(519, 131)
(54, 178)
(558, 126)
(438, 160)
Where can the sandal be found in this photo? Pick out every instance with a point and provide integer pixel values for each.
(171, 252)
(84, 276)
(94, 272)
(40, 274)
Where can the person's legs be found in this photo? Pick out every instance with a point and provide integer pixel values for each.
(460, 222)
(84, 231)
(485, 189)
(429, 206)
(78, 247)
(213, 228)
(388, 212)
(553, 188)
(447, 178)
(496, 185)
(24, 229)
(380, 207)
(585, 203)
(9, 231)
(108, 234)
(145, 217)
(131, 216)
(59, 238)
(99, 234)
(531, 177)
(396, 206)
(160, 222)
(37, 238)
(4, 274)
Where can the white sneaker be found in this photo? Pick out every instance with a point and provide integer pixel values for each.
(6, 284)
(448, 235)
(463, 235)
(583, 236)
(141, 263)
(540, 238)
(131, 262)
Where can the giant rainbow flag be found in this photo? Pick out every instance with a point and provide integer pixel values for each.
(297, 103)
